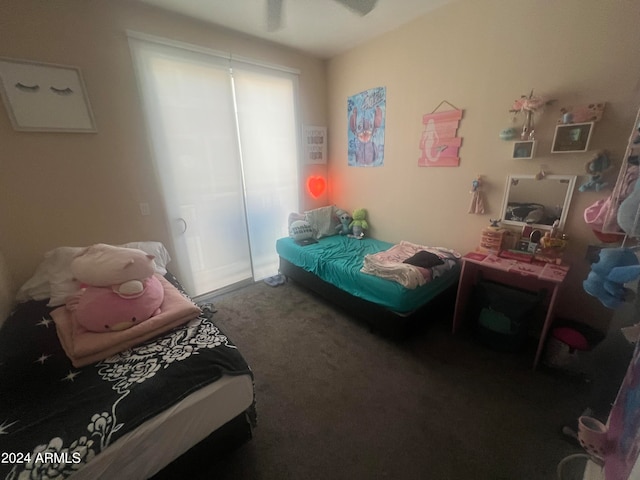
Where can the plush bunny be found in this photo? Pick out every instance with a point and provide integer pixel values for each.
(119, 288)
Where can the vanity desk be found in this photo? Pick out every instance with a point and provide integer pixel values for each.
(536, 207)
(532, 276)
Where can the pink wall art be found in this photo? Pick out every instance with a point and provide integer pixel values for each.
(439, 144)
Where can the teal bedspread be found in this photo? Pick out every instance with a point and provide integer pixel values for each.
(338, 260)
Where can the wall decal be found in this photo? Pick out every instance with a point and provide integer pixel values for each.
(366, 118)
(439, 143)
(42, 97)
(315, 145)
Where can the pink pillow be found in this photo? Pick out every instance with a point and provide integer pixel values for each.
(100, 309)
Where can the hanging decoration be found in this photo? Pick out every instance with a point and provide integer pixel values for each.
(439, 143)
(591, 112)
(477, 202)
(366, 119)
(527, 106)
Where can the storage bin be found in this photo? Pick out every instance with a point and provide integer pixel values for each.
(502, 314)
(564, 348)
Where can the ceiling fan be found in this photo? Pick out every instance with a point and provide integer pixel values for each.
(274, 10)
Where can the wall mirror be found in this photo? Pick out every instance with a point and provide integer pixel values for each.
(538, 203)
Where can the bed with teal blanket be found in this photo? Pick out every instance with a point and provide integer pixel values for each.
(332, 268)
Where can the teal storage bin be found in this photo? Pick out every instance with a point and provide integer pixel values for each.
(502, 314)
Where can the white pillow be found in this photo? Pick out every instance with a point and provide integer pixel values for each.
(323, 220)
(53, 278)
(300, 230)
(61, 282)
(54, 268)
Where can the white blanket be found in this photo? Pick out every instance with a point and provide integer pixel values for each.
(389, 264)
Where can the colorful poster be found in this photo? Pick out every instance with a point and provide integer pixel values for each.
(439, 143)
(365, 116)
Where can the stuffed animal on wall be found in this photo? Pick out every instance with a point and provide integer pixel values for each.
(345, 221)
(119, 288)
(596, 167)
(359, 223)
(614, 268)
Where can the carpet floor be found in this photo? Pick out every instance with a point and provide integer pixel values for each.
(336, 401)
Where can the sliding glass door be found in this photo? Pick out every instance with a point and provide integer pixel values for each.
(224, 139)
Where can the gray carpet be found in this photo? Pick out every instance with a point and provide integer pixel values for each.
(336, 401)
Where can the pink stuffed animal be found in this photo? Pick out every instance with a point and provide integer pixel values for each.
(120, 288)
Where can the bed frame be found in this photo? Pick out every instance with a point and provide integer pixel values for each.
(193, 463)
(379, 319)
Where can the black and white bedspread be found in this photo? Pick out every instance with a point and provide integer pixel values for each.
(54, 417)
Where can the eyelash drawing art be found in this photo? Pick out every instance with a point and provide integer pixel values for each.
(64, 91)
(27, 88)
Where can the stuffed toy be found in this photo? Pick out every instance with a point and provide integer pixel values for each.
(614, 268)
(119, 288)
(628, 217)
(359, 223)
(595, 168)
(345, 222)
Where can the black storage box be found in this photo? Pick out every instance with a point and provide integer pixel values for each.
(502, 314)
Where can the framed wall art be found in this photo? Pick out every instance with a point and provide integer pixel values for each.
(572, 137)
(524, 149)
(315, 145)
(43, 97)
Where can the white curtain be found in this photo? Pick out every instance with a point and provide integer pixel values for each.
(225, 148)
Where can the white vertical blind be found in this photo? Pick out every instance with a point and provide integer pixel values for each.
(267, 131)
(227, 203)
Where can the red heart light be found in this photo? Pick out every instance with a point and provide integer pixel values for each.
(316, 186)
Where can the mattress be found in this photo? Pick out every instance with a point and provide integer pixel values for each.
(126, 416)
(154, 444)
(338, 259)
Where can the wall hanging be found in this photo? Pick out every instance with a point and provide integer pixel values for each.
(527, 106)
(438, 143)
(572, 137)
(366, 119)
(477, 202)
(315, 145)
(591, 112)
(524, 149)
(42, 97)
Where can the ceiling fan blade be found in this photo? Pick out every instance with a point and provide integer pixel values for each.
(274, 15)
(360, 6)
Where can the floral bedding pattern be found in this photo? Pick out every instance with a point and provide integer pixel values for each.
(54, 418)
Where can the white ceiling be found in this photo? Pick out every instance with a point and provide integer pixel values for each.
(322, 28)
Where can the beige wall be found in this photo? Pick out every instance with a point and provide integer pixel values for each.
(481, 55)
(76, 189)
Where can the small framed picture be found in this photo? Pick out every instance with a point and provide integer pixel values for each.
(572, 137)
(524, 149)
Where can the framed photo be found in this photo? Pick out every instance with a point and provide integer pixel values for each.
(524, 149)
(315, 145)
(572, 137)
(43, 97)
